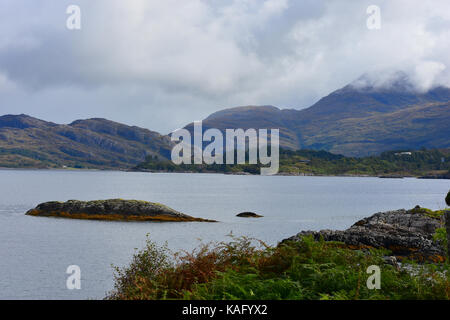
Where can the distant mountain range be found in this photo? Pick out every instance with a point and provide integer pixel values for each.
(95, 143)
(353, 121)
(357, 120)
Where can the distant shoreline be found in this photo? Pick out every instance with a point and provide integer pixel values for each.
(281, 174)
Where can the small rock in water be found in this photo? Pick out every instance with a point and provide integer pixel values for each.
(248, 215)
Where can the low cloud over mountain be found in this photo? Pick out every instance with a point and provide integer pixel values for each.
(359, 119)
(160, 64)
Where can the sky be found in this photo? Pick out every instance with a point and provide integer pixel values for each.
(163, 64)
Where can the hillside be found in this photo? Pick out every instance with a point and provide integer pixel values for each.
(430, 163)
(95, 143)
(355, 120)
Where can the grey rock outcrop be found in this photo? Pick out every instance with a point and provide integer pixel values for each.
(407, 233)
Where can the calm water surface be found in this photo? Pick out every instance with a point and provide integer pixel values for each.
(35, 252)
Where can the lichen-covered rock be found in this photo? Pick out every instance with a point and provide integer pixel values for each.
(114, 209)
(407, 233)
(248, 215)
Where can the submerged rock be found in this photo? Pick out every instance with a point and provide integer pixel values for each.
(114, 209)
(248, 215)
(407, 233)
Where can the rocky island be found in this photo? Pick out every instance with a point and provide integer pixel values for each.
(112, 210)
(406, 233)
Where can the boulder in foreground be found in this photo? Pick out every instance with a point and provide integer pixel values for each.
(113, 210)
(406, 233)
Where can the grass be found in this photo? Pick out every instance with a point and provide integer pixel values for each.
(244, 268)
(434, 214)
(440, 235)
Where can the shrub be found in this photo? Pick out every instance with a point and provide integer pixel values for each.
(248, 269)
(440, 235)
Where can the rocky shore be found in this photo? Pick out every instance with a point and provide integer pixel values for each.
(114, 209)
(406, 233)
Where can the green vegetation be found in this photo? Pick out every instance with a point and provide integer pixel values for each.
(388, 163)
(247, 269)
(435, 214)
(393, 163)
(440, 235)
(447, 199)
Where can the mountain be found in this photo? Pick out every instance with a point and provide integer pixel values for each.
(264, 117)
(358, 120)
(361, 119)
(94, 143)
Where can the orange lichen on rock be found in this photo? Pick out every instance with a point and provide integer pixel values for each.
(115, 217)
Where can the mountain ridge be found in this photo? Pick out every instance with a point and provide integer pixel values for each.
(360, 119)
(26, 141)
(354, 121)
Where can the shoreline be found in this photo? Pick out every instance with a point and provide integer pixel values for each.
(281, 174)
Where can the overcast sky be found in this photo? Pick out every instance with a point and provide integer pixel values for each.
(162, 64)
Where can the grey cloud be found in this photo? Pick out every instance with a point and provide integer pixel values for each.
(161, 64)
